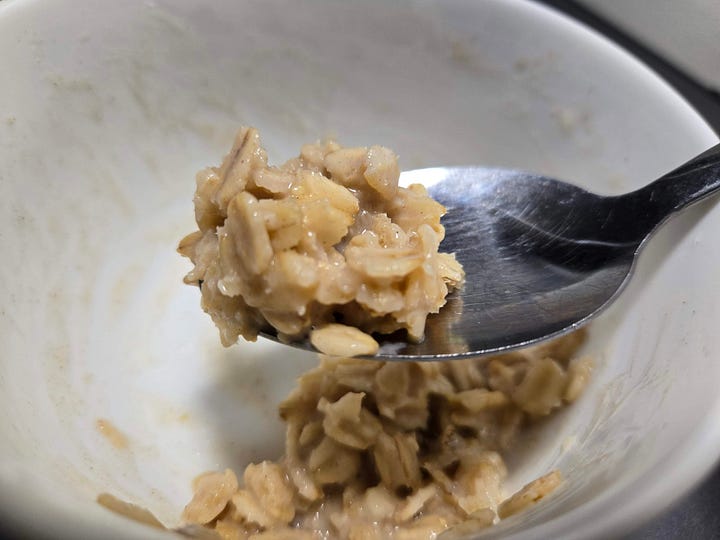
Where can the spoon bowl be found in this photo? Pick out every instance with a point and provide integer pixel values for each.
(542, 257)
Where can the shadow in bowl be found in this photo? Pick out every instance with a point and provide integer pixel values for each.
(241, 396)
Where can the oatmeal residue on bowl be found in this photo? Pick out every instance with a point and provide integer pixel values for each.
(326, 246)
(403, 450)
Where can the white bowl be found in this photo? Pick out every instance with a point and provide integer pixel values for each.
(108, 108)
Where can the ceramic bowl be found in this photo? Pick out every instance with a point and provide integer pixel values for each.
(107, 110)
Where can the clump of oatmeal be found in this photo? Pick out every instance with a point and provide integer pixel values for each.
(327, 241)
(398, 450)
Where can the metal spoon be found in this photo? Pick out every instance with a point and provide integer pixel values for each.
(542, 257)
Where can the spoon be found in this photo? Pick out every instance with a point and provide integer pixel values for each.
(542, 257)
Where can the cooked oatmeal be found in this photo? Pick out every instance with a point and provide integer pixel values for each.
(399, 450)
(326, 246)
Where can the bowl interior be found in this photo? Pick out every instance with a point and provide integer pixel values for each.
(112, 107)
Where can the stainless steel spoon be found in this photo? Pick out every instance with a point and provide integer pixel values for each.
(542, 257)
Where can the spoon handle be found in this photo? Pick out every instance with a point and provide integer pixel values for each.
(695, 180)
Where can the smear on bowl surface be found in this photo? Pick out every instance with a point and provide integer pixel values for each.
(113, 435)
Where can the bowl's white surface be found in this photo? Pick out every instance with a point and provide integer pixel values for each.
(108, 108)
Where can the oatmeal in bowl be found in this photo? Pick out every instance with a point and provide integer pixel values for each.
(397, 450)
